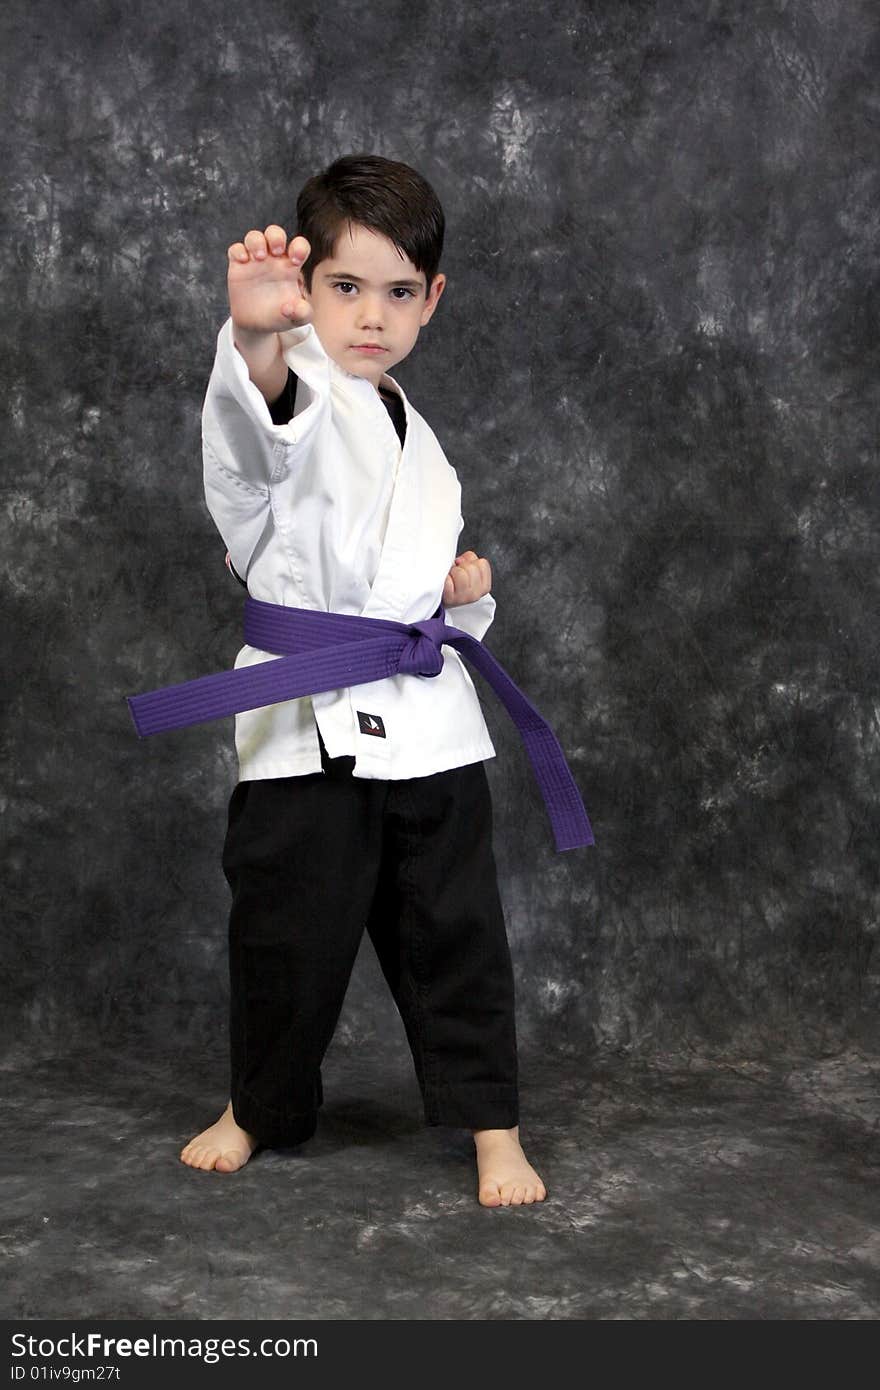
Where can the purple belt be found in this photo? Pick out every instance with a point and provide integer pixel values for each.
(329, 651)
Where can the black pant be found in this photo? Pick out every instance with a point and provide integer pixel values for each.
(311, 861)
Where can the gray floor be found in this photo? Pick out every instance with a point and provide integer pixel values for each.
(678, 1189)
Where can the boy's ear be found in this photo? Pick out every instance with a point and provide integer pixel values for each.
(438, 284)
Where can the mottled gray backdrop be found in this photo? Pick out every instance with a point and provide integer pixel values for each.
(655, 370)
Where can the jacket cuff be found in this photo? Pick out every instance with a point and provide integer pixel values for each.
(233, 379)
(473, 618)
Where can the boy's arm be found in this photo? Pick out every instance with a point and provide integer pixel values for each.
(243, 445)
(241, 440)
(281, 411)
(265, 363)
(244, 450)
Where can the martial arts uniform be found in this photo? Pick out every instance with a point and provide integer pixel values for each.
(367, 806)
(329, 511)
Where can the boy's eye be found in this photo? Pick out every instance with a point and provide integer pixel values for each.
(347, 284)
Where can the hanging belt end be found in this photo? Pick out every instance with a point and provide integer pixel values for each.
(578, 844)
(132, 709)
(573, 830)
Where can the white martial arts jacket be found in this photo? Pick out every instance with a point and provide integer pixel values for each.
(329, 512)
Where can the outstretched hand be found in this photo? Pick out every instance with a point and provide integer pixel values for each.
(469, 579)
(265, 283)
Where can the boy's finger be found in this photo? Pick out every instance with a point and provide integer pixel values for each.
(256, 244)
(476, 570)
(299, 250)
(469, 558)
(276, 238)
(471, 576)
(462, 580)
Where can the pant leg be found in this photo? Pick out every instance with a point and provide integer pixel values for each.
(438, 928)
(301, 857)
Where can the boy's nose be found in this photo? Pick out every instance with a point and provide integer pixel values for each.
(370, 314)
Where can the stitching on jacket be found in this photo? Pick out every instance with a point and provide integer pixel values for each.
(280, 449)
(233, 477)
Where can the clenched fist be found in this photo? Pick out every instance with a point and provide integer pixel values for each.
(263, 280)
(469, 579)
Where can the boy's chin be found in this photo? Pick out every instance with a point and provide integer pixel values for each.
(365, 368)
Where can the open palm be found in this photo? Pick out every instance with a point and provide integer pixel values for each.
(263, 281)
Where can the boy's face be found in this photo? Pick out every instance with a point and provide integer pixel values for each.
(366, 292)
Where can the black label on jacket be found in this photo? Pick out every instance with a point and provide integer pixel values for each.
(371, 724)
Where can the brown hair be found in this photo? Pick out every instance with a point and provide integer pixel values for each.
(381, 194)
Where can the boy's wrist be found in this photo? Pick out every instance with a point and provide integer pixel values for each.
(264, 358)
(251, 338)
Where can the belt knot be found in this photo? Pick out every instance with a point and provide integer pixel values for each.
(422, 655)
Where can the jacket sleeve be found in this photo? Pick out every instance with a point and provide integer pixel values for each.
(473, 618)
(244, 449)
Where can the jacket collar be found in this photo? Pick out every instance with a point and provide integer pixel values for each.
(304, 354)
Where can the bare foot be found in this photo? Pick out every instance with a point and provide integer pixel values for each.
(506, 1176)
(224, 1146)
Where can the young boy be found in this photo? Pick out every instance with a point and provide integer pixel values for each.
(369, 805)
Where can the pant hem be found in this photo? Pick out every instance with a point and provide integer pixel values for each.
(473, 1107)
(274, 1129)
